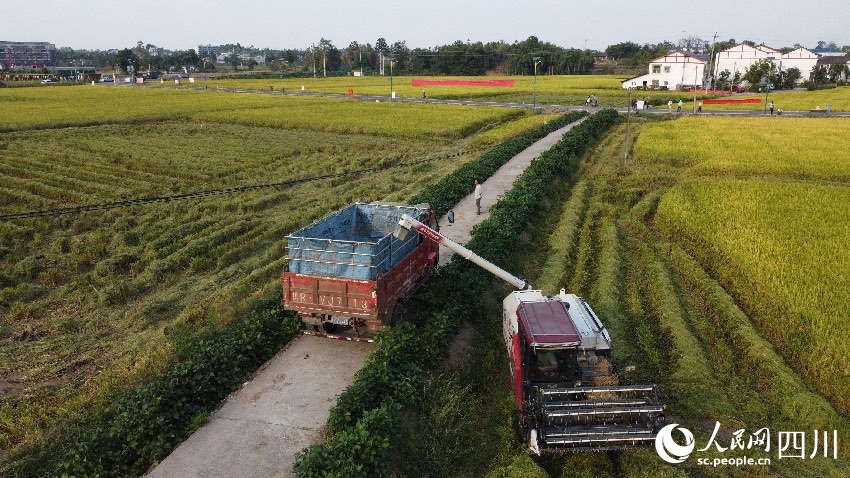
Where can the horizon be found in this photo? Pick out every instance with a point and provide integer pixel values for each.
(102, 25)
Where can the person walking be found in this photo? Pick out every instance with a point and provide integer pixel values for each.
(771, 108)
(478, 196)
(595, 101)
(699, 107)
(669, 106)
(679, 107)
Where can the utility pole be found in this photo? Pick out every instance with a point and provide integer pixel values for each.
(536, 61)
(696, 71)
(712, 64)
(628, 123)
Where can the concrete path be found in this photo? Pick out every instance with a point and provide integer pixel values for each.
(281, 411)
(492, 190)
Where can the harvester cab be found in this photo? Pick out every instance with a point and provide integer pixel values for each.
(564, 384)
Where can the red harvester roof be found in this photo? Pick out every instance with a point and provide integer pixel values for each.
(547, 323)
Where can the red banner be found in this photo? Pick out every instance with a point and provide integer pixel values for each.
(463, 82)
(747, 101)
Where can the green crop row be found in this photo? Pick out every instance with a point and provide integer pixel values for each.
(697, 391)
(396, 370)
(563, 240)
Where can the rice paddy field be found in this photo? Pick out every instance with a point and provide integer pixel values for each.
(716, 255)
(93, 303)
(718, 266)
(551, 89)
(793, 148)
(716, 259)
(797, 100)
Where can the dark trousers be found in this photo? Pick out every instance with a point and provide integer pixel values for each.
(478, 204)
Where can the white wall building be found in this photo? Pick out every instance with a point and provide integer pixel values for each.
(740, 57)
(802, 59)
(673, 70)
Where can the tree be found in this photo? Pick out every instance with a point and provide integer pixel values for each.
(838, 71)
(351, 56)
(622, 50)
(329, 56)
(693, 43)
(724, 80)
(763, 69)
(252, 63)
(125, 58)
(401, 53)
(381, 46)
(819, 75)
(790, 78)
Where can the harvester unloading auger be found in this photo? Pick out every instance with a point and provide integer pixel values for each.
(562, 378)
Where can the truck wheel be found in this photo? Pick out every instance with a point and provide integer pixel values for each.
(398, 310)
(330, 327)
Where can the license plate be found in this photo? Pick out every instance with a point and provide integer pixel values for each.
(339, 321)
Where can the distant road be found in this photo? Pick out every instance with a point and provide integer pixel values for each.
(501, 104)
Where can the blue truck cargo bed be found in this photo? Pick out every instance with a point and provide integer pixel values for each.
(354, 243)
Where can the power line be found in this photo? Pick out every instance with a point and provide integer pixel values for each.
(210, 192)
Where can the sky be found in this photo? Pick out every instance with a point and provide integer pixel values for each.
(184, 24)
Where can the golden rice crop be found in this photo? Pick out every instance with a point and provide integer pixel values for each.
(783, 247)
(551, 89)
(788, 147)
(797, 100)
(22, 108)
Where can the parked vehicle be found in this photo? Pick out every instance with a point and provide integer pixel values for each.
(559, 358)
(348, 270)
(47, 81)
(106, 79)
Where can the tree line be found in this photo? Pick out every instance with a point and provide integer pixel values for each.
(324, 58)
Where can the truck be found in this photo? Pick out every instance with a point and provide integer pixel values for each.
(562, 378)
(348, 272)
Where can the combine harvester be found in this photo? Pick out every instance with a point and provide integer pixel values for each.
(561, 375)
(356, 269)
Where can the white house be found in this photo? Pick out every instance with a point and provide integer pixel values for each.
(802, 59)
(673, 70)
(740, 57)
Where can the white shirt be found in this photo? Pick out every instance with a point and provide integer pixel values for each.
(478, 191)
